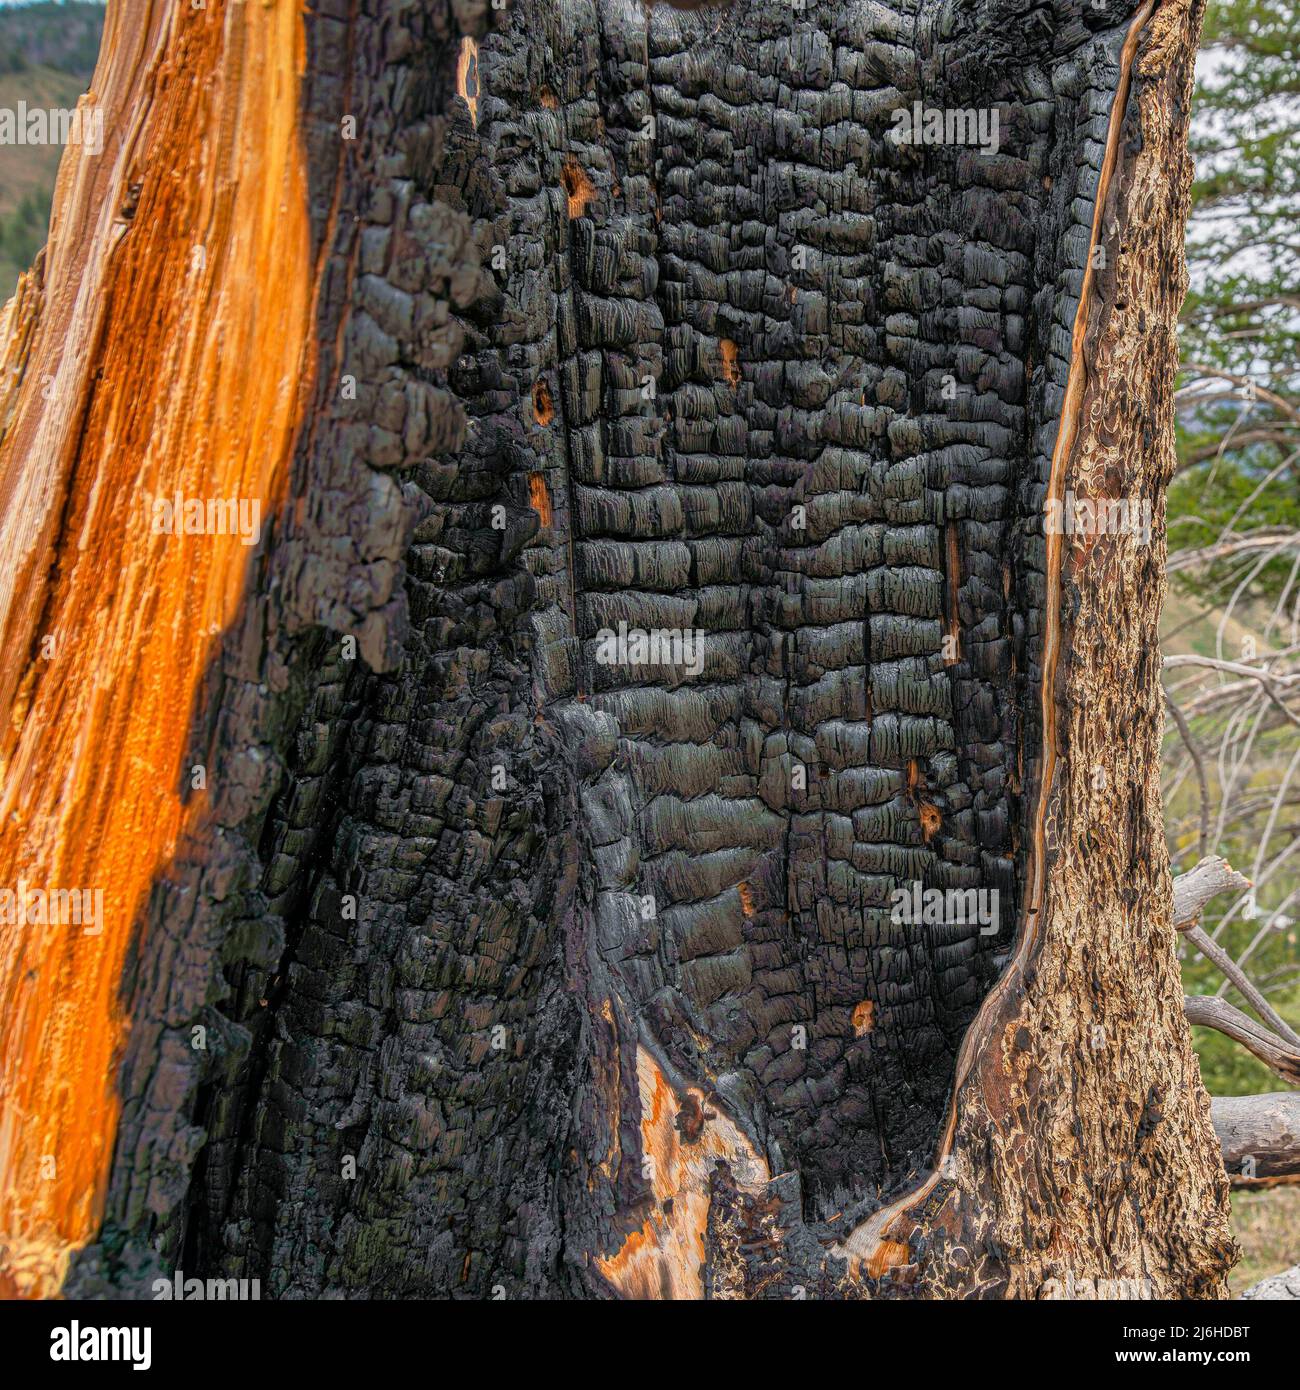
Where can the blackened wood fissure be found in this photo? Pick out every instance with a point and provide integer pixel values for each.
(670, 336)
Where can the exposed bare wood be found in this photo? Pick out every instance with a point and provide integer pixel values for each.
(169, 361)
(1199, 885)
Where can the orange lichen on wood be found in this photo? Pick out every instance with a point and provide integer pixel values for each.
(730, 362)
(665, 1256)
(132, 391)
(539, 497)
(578, 186)
(467, 77)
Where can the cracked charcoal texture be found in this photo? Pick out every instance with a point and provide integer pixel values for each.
(670, 334)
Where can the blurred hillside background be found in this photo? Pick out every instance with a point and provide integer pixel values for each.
(1232, 753)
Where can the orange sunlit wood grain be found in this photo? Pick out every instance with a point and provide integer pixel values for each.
(467, 76)
(665, 1256)
(177, 340)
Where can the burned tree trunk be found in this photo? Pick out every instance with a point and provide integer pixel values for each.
(668, 806)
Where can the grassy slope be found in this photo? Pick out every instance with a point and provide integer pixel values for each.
(1268, 1226)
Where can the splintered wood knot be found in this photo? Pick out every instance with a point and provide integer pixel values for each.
(730, 362)
(132, 201)
(888, 1255)
(539, 497)
(864, 1017)
(931, 820)
(577, 186)
(543, 406)
(690, 1119)
(746, 899)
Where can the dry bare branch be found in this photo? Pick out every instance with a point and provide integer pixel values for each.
(1208, 1011)
(1212, 951)
(1198, 885)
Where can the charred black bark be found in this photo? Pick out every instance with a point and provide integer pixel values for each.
(666, 332)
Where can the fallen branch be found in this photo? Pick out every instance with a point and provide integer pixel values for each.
(1275, 1052)
(1192, 891)
(1260, 1137)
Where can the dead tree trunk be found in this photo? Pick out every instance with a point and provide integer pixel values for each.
(520, 865)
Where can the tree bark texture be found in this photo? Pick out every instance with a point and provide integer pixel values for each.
(480, 964)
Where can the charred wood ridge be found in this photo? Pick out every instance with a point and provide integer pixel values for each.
(881, 1239)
